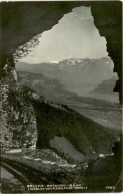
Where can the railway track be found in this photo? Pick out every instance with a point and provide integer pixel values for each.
(26, 174)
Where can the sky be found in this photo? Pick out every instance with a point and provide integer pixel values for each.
(75, 36)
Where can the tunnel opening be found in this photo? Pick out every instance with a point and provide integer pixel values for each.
(43, 58)
(63, 111)
(70, 66)
(26, 48)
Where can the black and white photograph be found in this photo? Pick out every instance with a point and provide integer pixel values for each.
(61, 96)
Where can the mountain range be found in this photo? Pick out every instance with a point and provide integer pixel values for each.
(80, 76)
(53, 90)
(106, 86)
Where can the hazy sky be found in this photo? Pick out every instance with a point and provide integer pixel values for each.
(75, 36)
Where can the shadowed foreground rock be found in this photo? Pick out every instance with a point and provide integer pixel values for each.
(18, 120)
(105, 174)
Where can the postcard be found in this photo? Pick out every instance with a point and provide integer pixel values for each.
(61, 96)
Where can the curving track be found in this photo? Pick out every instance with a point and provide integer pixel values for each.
(25, 174)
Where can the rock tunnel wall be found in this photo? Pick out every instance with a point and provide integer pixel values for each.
(18, 121)
(108, 20)
(20, 21)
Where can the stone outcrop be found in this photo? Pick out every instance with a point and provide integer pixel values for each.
(18, 122)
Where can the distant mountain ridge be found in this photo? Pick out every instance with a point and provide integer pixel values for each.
(54, 91)
(106, 87)
(51, 89)
(77, 75)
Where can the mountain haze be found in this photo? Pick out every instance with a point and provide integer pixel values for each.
(106, 87)
(80, 76)
(53, 90)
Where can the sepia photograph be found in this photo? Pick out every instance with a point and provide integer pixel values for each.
(61, 96)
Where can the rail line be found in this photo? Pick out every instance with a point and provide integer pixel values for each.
(27, 174)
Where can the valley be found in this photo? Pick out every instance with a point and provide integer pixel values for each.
(105, 113)
(81, 76)
(55, 129)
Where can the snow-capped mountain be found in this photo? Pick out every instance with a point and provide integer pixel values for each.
(80, 76)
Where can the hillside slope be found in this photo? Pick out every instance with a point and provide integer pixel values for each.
(53, 90)
(87, 137)
(106, 87)
(37, 119)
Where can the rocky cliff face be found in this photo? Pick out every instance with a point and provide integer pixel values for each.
(18, 122)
